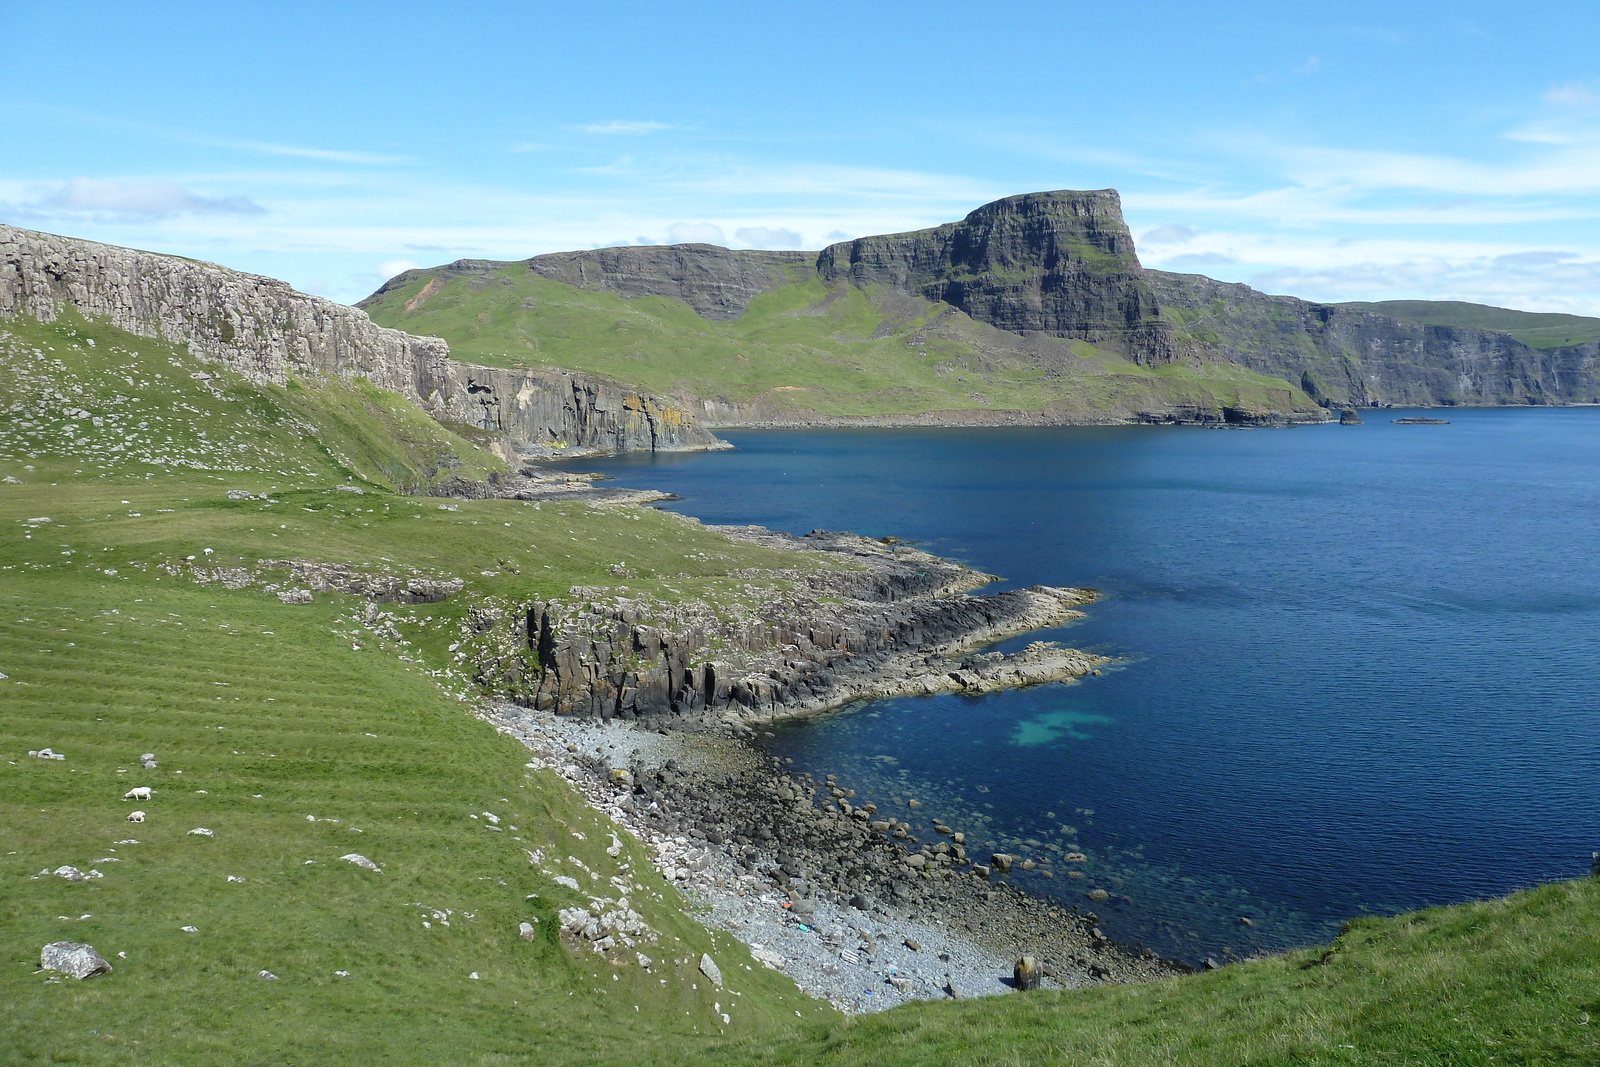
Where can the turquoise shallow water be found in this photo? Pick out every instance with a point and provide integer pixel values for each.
(1356, 665)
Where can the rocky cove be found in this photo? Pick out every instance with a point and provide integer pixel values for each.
(653, 711)
(841, 898)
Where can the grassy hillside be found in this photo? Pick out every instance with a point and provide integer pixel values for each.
(302, 732)
(1534, 328)
(838, 351)
(263, 713)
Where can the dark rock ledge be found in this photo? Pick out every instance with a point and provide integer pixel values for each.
(885, 620)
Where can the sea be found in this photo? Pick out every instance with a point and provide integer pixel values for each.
(1356, 669)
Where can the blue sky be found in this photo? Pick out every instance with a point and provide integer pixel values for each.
(1334, 151)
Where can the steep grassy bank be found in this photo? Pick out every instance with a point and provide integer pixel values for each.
(1505, 981)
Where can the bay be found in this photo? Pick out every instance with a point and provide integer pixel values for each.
(1355, 665)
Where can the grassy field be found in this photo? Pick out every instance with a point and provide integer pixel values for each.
(804, 347)
(299, 733)
(1534, 328)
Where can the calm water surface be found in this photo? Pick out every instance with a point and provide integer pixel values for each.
(1356, 665)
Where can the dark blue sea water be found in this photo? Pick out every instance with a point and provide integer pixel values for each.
(1357, 665)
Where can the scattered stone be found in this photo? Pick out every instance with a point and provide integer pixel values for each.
(1211, 964)
(526, 931)
(1027, 973)
(190, 929)
(1098, 894)
(1245, 920)
(360, 861)
(953, 991)
(71, 874)
(73, 958)
(901, 983)
(201, 831)
(45, 753)
(1002, 861)
(914, 946)
(709, 968)
(341, 974)
(267, 976)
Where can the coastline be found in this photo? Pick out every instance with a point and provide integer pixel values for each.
(862, 917)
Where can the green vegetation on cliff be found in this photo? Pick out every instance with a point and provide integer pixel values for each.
(806, 347)
(1537, 329)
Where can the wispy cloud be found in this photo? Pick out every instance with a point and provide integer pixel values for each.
(332, 155)
(124, 201)
(1572, 94)
(626, 127)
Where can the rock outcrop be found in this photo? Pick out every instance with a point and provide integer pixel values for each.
(806, 640)
(1059, 263)
(265, 330)
(1348, 357)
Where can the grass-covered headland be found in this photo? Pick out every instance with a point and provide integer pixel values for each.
(300, 732)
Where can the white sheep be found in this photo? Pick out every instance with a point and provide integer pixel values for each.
(136, 816)
(140, 793)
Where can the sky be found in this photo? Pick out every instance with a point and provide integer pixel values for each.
(1334, 151)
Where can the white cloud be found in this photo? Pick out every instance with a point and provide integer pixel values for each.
(1169, 235)
(768, 237)
(704, 233)
(624, 127)
(1572, 94)
(390, 267)
(125, 201)
(1196, 260)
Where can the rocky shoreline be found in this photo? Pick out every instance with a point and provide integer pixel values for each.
(856, 618)
(841, 898)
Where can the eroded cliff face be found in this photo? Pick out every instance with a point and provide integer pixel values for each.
(1349, 357)
(797, 641)
(267, 331)
(1060, 263)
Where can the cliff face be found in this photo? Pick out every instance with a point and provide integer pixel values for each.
(267, 331)
(1345, 356)
(1059, 263)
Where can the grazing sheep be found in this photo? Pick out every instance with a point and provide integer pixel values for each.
(141, 793)
(136, 816)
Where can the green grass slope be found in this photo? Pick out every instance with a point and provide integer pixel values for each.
(1536, 329)
(1512, 981)
(804, 347)
(263, 714)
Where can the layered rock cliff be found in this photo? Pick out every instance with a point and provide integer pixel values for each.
(1060, 263)
(267, 331)
(897, 621)
(1345, 356)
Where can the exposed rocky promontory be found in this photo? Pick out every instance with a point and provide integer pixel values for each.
(872, 620)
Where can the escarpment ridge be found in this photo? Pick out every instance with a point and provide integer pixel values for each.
(1032, 309)
(267, 331)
